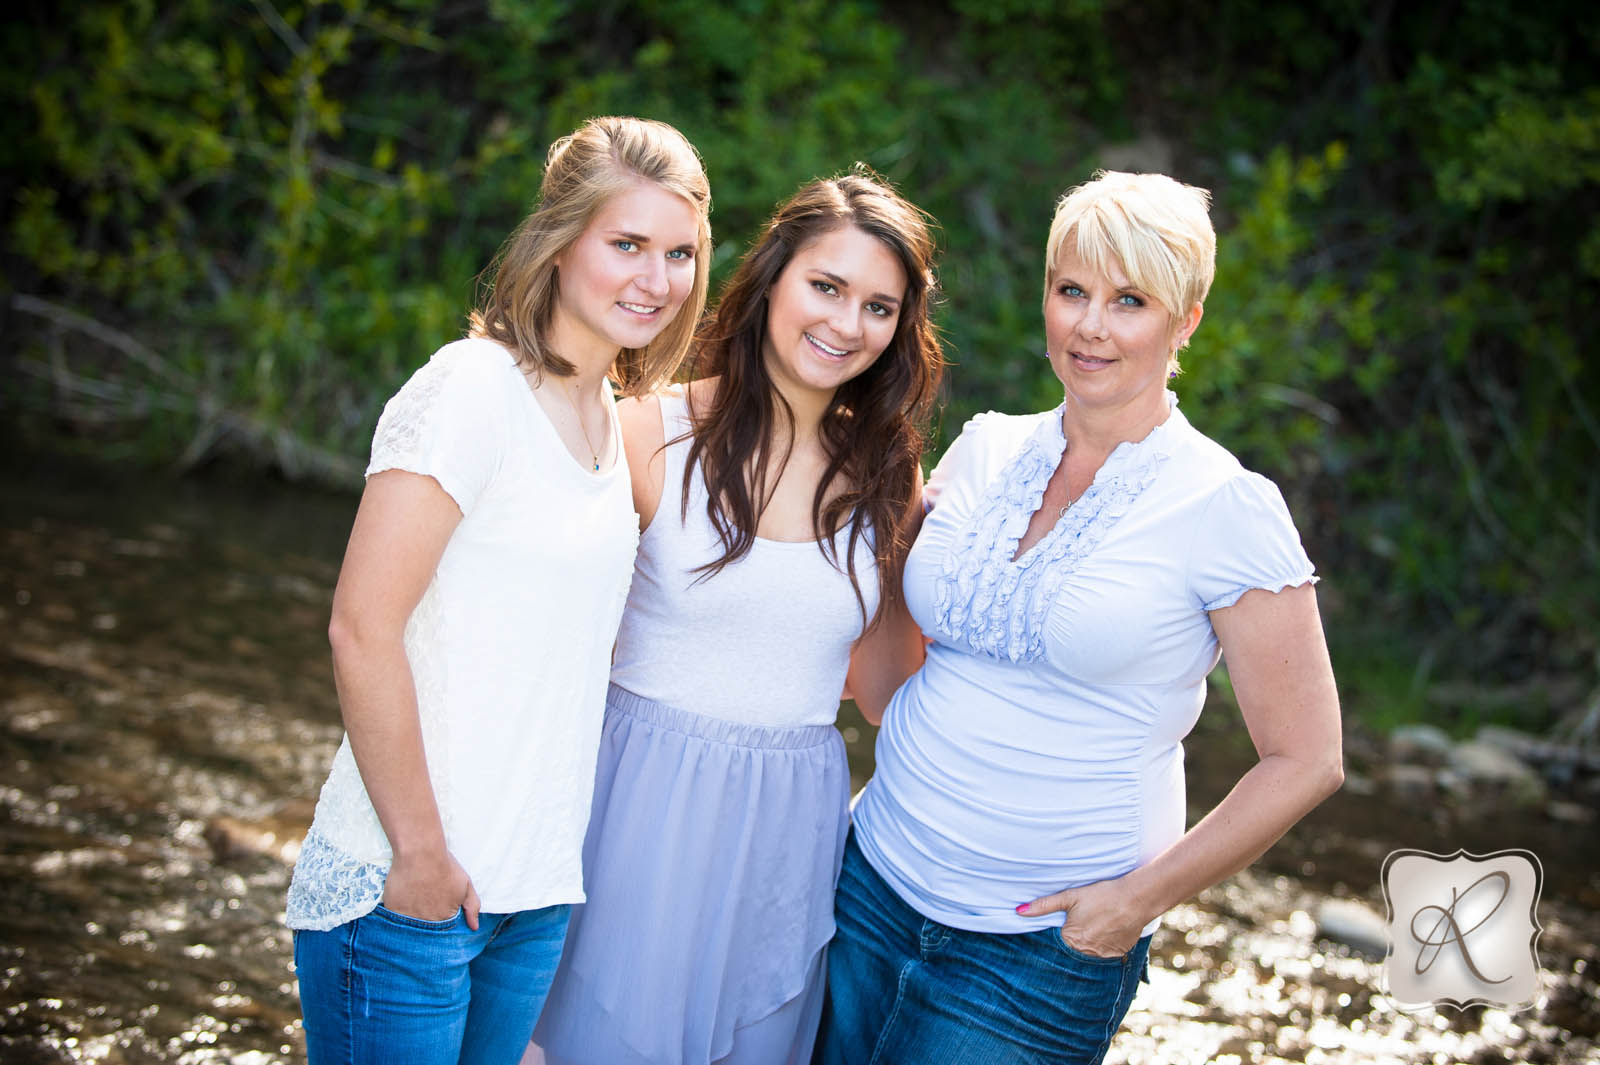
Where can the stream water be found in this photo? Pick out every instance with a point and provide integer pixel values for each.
(167, 716)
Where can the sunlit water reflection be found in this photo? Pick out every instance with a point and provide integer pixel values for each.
(166, 717)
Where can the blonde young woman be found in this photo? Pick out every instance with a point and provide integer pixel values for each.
(474, 617)
(776, 490)
(1079, 573)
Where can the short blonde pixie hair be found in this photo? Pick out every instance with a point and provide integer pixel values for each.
(1157, 229)
(583, 171)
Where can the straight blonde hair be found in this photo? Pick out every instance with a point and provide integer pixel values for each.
(1155, 228)
(583, 171)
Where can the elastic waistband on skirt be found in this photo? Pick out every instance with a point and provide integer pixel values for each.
(716, 729)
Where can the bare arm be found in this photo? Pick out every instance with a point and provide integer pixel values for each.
(894, 649)
(882, 660)
(643, 437)
(1278, 662)
(401, 528)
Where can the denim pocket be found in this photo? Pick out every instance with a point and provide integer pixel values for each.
(1080, 956)
(405, 920)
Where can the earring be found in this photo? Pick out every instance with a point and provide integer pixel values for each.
(1046, 354)
(1172, 375)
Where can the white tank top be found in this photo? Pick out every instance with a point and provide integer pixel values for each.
(766, 641)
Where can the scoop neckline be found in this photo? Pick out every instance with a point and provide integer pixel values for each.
(678, 392)
(579, 467)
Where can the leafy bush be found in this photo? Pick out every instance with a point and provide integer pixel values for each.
(233, 224)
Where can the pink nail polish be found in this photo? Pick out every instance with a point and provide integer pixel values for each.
(1023, 908)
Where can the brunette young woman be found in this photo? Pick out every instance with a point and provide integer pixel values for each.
(474, 617)
(778, 492)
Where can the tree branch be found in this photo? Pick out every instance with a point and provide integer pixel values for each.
(107, 335)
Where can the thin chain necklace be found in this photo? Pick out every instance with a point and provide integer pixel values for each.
(1071, 499)
(593, 451)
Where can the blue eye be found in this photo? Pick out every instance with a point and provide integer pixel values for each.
(624, 245)
(1069, 290)
(680, 254)
(1128, 299)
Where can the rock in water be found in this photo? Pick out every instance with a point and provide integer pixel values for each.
(1349, 922)
(1490, 768)
(278, 835)
(1421, 744)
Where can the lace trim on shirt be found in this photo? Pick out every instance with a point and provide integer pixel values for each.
(398, 441)
(330, 887)
(998, 606)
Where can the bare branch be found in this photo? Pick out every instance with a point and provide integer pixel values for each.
(285, 32)
(107, 335)
(345, 167)
(263, 440)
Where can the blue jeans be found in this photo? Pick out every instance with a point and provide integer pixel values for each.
(391, 988)
(904, 990)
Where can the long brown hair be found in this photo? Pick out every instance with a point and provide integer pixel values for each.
(583, 171)
(875, 430)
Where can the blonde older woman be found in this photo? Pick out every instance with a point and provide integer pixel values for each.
(1079, 573)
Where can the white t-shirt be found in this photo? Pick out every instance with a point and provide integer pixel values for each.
(510, 646)
(1040, 745)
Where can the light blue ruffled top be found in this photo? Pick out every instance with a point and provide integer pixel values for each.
(997, 606)
(1040, 746)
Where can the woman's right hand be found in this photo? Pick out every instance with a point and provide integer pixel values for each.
(402, 526)
(430, 886)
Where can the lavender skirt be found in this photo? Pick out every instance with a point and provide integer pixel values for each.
(710, 864)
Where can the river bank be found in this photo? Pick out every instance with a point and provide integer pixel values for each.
(167, 715)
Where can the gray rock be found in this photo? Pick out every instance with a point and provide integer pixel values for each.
(1558, 759)
(1510, 740)
(1451, 783)
(1353, 924)
(1358, 783)
(1574, 813)
(1427, 744)
(1488, 768)
(1409, 781)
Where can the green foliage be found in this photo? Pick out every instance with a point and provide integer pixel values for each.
(287, 203)
(1450, 487)
(1242, 383)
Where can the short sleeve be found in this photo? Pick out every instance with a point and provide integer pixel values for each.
(954, 464)
(1245, 539)
(447, 422)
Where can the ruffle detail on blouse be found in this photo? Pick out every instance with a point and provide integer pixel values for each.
(1274, 587)
(997, 606)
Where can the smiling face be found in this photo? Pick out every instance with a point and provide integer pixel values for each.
(1110, 342)
(831, 312)
(625, 277)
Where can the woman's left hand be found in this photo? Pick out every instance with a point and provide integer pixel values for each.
(1101, 921)
(1278, 662)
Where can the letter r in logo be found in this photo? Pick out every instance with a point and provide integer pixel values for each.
(1463, 928)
